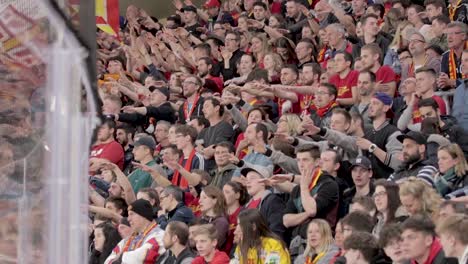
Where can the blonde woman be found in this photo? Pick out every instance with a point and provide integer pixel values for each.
(417, 197)
(320, 247)
(260, 47)
(289, 124)
(453, 169)
(273, 63)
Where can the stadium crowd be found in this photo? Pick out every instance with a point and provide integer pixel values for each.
(283, 131)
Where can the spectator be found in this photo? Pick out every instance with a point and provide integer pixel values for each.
(419, 198)
(269, 204)
(143, 152)
(371, 56)
(145, 245)
(213, 208)
(258, 244)
(320, 247)
(458, 12)
(363, 204)
(453, 241)
(173, 208)
(205, 238)
(434, 8)
(391, 242)
(224, 168)
(106, 237)
(124, 136)
(236, 197)
(453, 170)
(450, 71)
(231, 54)
(366, 87)
(449, 208)
(360, 247)
(191, 108)
(357, 222)
(361, 171)
(324, 103)
(106, 147)
(152, 196)
(175, 242)
(345, 80)
(420, 243)
(460, 99)
(448, 128)
(414, 159)
(439, 26)
(387, 201)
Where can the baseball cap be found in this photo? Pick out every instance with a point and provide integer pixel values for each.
(164, 90)
(417, 137)
(211, 4)
(146, 141)
(362, 161)
(190, 8)
(384, 98)
(263, 171)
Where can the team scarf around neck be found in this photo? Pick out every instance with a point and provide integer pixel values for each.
(321, 111)
(176, 178)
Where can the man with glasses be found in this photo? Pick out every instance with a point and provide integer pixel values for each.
(417, 45)
(231, 55)
(193, 106)
(324, 103)
(173, 208)
(450, 68)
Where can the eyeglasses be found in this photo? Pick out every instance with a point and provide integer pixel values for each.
(379, 194)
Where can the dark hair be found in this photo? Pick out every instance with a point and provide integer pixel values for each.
(187, 130)
(261, 4)
(111, 124)
(316, 68)
(179, 229)
(292, 67)
(175, 191)
(227, 145)
(235, 33)
(202, 121)
(436, 3)
(366, 17)
(359, 221)
(378, 7)
(213, 192)
(419, 223)
(338, 158)
(348, 57)
(458, 207)
(331, 89)
(284, 43)
(215, 102)
(389, 233)
(364, 242)
(366, 202)
(372, 76)
(257, 75)
(241, 190)
(428, 102)
(254, 228)
(313, 151)
(119, 59)
(355, 115)
(343, 112)
(443, 19)
(260, 127)
(404, 3)
(401, 50)
(393, 197)
(436, 48)
(119, 203)
(256, 108)
(127, 128)
(112, 238)
(375, 49)
(430, 125)
(153, 194)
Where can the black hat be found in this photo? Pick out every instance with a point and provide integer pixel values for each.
(190, 8)
(142, 208)
(164, 90)
(362, 161)
(146, 141)
(415, 136)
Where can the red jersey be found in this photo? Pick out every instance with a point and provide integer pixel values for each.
(111, 151)
(253, 204)
(306, 101)
(344, 85)
(385, 74)
(232, 218)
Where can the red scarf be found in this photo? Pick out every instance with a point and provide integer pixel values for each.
(187, 113)
(315, 177)
(452, 9)
(323, 110)
(436, 247)
(321, 55)
(177, 180)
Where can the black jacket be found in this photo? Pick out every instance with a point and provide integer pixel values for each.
(162, 112)
(232, 71)
(455, 133)
(272, 207)
(181, 213)
(196, 113)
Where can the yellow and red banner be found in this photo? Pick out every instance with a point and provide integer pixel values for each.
(107, 16)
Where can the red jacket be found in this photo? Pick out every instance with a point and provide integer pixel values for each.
(219, 258)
